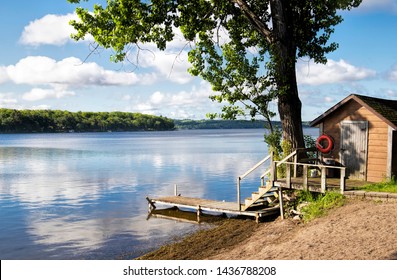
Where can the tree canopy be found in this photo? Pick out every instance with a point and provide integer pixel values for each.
(253, 64)
(12, 121)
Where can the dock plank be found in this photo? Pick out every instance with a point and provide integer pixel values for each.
(195, 202)
(200, 204)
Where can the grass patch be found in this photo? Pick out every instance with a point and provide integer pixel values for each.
(386, 186)
(319, 204)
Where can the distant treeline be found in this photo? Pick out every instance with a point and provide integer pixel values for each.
(223, 124)
(217, 124)
(18, 121)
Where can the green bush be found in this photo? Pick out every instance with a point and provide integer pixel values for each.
(318, 204)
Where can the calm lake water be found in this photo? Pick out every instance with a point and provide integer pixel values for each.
(82, 196)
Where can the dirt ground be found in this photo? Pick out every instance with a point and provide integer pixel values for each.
(360, 230)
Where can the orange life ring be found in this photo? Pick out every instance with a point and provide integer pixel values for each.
(329, 146)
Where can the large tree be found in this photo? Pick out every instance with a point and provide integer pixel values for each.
(255, 62)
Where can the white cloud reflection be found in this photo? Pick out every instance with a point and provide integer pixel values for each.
(84, 199)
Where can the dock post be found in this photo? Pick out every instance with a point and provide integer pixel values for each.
(238, 194)
(175, 190)
(198, 213)
(151, 204)
(280, 197)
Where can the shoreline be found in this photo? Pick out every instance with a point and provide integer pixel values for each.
(203, 244)
(361, 229)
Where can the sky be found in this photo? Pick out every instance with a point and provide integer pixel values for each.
(41, 67)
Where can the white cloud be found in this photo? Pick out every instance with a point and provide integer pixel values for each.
(41, 107)
(157, 98)
(71, 71)
(332, 72)
(183, 104)
(7, 99)
(171, 65)
(371, 5)
(392, 75)
(40, 93)
(49, 30)
(3, 75)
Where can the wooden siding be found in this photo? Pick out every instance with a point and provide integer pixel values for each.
(377, 137)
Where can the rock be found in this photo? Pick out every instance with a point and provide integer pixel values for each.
(296, 218)
(293, 211)
(300, 206)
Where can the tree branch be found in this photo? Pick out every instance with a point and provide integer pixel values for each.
(255, 20)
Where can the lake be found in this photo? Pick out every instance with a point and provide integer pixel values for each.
(82, 195)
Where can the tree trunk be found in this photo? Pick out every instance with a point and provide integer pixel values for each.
(289, 109)
(284, 54)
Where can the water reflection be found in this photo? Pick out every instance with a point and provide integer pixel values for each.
(82, 196)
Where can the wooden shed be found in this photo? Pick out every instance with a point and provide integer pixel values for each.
(364, 130)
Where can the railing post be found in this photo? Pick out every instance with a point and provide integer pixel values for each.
(238, 193)
(295, 165)
(323, 178)
(280, 197)
(273, 173)
(288, 173)
(272, 168)
(305, 187)
(342, 180)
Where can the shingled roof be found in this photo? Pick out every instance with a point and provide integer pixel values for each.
(383, 108)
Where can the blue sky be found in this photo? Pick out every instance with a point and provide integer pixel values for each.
(42, 68)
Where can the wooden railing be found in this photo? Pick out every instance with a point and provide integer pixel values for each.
(291, 161)
(306, 166)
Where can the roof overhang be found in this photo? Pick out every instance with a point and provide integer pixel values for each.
(356, 98)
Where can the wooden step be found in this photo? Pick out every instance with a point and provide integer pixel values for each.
(256, 194)
(264, 193)
(273, 189)
(262, 203)
(247, 201)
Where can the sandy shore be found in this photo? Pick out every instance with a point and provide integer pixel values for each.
(360, 230)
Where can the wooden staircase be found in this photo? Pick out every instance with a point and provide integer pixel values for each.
(265, 196)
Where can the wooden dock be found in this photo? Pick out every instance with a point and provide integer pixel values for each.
(268, 199)
(210, 206)
(178, 215)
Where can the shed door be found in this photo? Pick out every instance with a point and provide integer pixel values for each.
(354, 148)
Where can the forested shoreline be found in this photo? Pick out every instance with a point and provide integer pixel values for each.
(36, 121)
(226, 124)
(39, 121)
